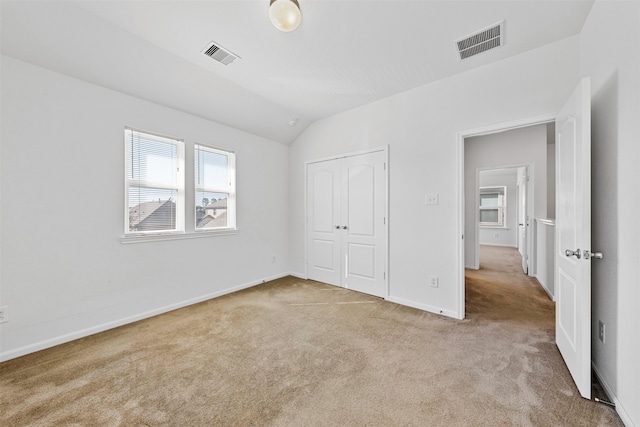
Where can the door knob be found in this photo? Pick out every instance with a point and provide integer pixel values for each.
(575, 253)
(344, 227)
(595, 255)
(337, 227)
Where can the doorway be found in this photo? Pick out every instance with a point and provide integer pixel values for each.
(502, 217)
(497, 147)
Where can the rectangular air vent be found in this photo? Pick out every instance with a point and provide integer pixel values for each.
(481, 41)
(220, 54)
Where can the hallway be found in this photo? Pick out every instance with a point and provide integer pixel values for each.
(501, 291)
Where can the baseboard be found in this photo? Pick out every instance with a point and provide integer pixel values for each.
(52, 342)
(298, 275)
(502, 245)
(624, 415)
(423, 307)
(544, 287)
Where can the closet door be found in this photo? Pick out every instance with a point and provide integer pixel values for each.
(363, 210)
(346, 223)
(323, 222)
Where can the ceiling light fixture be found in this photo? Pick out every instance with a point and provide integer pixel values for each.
(285, 15)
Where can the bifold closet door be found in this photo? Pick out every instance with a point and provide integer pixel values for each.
(346, 208)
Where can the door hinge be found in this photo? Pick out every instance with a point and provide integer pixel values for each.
(384, 221)
(384, 165)
(384, 275)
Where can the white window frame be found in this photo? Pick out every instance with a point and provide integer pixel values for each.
(501, 191)
(179, 186)
(229, 188)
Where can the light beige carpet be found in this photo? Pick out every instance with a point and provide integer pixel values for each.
(300, 353)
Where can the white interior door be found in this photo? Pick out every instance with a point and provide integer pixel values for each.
(323, 232)
(363, 210)
(346, 222)
(573, 236)
(523, 218)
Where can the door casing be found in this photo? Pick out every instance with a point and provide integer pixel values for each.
(525, 215)
(530, 208)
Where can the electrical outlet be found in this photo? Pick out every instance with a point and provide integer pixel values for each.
(496, 235)
(434, 281)
(601, 331)
(4, 314)
(431, 199)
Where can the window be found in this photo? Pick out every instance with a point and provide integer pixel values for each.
(154, 182)
(215, 197)
(493, 204)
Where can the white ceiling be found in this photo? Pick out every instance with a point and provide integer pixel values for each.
(344, 54)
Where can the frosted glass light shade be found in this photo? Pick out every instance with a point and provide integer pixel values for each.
(285, 15)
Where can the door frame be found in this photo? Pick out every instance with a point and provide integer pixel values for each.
(460, 137)
(385, 150)
(530, 207)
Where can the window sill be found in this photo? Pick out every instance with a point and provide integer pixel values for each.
(145, 238)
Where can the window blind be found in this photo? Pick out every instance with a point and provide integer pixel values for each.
(152, 174)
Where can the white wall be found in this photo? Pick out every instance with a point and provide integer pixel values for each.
(545, 255)
(65, 272)
(507, 236)
(524, 146)
(610, 55)
(420, 126)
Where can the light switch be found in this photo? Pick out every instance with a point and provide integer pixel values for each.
(433, 280)
(431, 199)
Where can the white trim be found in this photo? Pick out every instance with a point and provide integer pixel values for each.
(501, 208)
(230, 190)
(387, 197)
(306, 220)
(32, 348)
(460, 137)
(384, 148)
(549, 222)
(544, 286)
(302, 276)
(624, 415)
(423, 307)
(530, 170)
(178, 187)
(507, 126)
(460, 292)
(504, 245)
(146, 238)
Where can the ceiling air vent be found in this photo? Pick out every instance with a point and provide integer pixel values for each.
(220, 54)
(481, 41)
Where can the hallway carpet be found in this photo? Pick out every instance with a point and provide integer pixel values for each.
(300, 353)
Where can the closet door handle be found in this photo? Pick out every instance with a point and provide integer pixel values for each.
(344, 227)
(575, 253)
(337, 227)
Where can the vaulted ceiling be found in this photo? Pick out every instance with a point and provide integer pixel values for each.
(344, 54)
